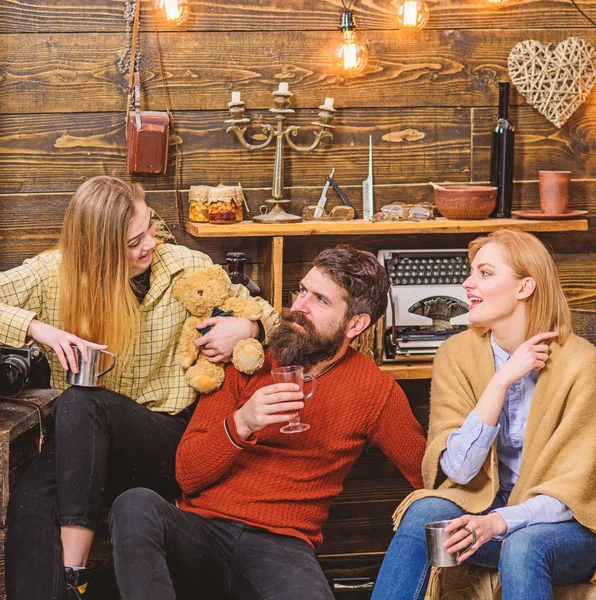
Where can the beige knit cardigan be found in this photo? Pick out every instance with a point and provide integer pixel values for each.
(559, 453)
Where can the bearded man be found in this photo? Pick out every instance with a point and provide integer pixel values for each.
(255, 499)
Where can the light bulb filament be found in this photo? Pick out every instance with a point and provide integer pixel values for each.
(173, 10)
(410, 13)
(349, 51)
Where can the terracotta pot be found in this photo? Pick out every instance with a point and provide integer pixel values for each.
(465, 201)
(554, 191)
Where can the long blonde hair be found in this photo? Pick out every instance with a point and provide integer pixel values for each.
(547, 308)
(96, 299)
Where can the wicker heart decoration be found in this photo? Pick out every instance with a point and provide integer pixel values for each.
(554, 79)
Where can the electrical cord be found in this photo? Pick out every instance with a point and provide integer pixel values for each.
(581, 12)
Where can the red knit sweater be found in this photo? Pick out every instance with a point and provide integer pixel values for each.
(285, 483)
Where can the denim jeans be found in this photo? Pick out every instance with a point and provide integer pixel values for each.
(530, 560)
(164, 553)
(104, 443)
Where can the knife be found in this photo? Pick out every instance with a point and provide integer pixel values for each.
(323, 199)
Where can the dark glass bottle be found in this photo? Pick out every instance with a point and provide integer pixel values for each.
(236, 272)
(501, 159)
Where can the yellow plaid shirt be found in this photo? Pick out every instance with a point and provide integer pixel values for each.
(155, 379)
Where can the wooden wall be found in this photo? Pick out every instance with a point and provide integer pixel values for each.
(426, 97)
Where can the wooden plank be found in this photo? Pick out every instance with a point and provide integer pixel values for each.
(44, 72)
(361, 227)
(358, 528)
(66, 149)
(362, 564)
(539, 145)
(277, 259)
(404, 371)
(577, 273)
(231, 15)
(267, 280)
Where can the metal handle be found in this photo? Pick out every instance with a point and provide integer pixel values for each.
(464, 550)
(340, 193)
(111, 365)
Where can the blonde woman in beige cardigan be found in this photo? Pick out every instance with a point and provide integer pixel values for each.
(512, 428)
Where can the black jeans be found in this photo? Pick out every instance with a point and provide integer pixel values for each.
(104, 443)
(164, 553)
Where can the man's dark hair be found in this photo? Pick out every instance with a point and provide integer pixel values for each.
(360, 275)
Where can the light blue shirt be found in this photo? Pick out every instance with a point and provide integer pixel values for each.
(468, 446)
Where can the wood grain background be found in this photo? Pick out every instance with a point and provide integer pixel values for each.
(428, 99)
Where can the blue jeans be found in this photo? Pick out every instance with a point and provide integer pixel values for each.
(164, 553)
(530, 560)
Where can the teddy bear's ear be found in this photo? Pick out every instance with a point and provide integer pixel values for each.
(217, 270)
(180, 285)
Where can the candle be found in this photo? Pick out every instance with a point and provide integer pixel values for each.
(235, 97)
(328, 103)
(283, 87)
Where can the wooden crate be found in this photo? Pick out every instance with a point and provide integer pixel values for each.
(19, 437)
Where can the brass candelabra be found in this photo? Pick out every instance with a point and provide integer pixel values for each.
(239, 125)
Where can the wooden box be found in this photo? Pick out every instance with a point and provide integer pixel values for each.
(19, 438)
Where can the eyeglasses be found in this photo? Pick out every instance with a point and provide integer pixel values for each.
(337, 213)
(398, 211)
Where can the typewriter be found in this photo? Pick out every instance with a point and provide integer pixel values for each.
(427, 303)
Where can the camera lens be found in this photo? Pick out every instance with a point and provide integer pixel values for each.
(14, 372)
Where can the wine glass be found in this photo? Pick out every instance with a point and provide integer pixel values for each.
(294, 374)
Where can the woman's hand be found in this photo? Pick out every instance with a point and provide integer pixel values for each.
(532, 354)
(59, 341)
(225, 333)
(485, 527)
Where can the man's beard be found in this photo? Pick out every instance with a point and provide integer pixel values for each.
(305, 347)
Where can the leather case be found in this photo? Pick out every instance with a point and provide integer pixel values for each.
(147, 138)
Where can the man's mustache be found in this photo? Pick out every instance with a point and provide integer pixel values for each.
(297, 317)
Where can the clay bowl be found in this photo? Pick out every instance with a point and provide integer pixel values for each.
(465, 201)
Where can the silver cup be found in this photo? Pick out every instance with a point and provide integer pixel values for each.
(89, 372)
(435, 536)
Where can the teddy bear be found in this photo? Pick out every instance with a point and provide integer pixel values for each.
(206, 293)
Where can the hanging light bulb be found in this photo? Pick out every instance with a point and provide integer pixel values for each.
(412, 14)
(350, 56)
(172, 10)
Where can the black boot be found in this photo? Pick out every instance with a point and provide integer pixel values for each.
(76, 583)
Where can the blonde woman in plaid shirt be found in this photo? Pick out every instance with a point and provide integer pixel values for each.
(109, 284)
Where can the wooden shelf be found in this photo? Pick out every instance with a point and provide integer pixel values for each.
(271, 244)
(413, 370)
(361, 227)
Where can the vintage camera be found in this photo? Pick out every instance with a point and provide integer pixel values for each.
(22, 366)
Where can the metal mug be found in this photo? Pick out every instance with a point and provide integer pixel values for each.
(435, 536)
(88, 375)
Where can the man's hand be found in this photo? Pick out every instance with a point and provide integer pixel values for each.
(486, 527)
(59, 341)
(532, 354)
(269, 405)
(226, 332)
